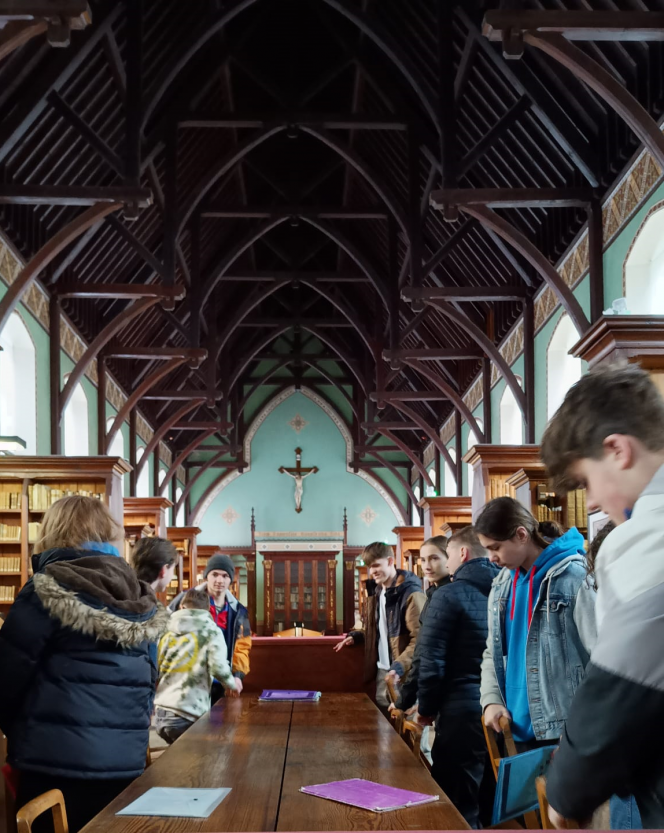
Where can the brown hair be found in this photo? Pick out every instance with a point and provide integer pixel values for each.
(501, 518)
(438, 541)
(612, 400)
(74, 520)
(593, 550)
(551, 529)
(467, 537)
(375, 551)
(150, 555)
(195, 600)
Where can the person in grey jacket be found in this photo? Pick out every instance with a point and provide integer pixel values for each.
(541, 624)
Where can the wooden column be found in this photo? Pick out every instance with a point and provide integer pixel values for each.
(155, 471)
(251, 591)
(349, 593)
(459, 452)
(439, 473)
(332, 596)
(596, 259)
(55, 374)
(132, 451)
(268, 613)
(529, 367)
(486, 398)
(101, 405)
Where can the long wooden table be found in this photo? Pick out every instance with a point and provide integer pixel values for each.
(266, 751)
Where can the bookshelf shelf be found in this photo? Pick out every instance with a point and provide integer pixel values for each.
(25, 480)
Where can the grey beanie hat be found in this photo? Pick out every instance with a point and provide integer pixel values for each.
(220, 562)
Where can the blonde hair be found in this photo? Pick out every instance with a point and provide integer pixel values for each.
(74, 520)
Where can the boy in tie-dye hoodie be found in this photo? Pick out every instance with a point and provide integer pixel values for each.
(191, 654)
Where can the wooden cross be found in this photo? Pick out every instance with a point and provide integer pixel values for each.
(298, 473)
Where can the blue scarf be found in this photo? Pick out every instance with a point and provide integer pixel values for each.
(98, 546)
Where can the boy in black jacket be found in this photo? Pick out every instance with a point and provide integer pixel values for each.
(451, 643)
(608, 437)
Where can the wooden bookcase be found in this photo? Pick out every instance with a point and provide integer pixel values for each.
(532, 490)
(299, 587)
(409, 541)
(145, 517)
(445, 515)
(184, 538)
(493, 465)
(28, 486)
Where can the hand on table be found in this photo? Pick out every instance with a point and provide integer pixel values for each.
(235, 692)
(343, 644)
(492, 715)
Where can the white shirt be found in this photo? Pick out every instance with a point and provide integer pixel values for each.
(383, 644)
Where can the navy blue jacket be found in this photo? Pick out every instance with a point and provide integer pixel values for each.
(78, 681)
(452, 641)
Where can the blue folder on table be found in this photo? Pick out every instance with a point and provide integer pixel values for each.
(516, 792)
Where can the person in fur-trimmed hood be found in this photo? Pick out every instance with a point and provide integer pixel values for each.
(74, 655)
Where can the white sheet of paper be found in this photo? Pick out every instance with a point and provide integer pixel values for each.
(176, 801)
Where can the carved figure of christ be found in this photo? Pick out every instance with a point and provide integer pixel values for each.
(298, 474)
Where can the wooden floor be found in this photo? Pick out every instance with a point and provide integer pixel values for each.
(267, 751)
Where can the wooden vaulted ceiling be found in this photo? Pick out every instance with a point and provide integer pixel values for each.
(291, 147)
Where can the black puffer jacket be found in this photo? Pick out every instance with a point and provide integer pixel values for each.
(78, 681)
(452, 640)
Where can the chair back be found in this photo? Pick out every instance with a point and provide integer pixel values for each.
(52, 800)
(531, 820)
(397, 716)
(569, 824)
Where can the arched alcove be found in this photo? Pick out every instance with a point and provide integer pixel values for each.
(450, 480)
(644, 268)
(511, 418)
(562, 369)
(18, 386)
(116, 448)
(415, 514)
(472, 440)
(143, 482)
(76, 425)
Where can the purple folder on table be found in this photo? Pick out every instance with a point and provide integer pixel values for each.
(283, 694)
(368, 795)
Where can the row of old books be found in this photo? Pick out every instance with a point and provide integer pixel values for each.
(41, 496)
(9, 534)
(10, 564)
(577, 513)
(10, 500)
(7, 593)
(546, 513)
(34, 530)
(499, 488)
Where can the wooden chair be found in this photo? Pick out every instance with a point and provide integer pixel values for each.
(570, 824)
(412, 734)
(52, 800)
(532, 822)
(396, 715)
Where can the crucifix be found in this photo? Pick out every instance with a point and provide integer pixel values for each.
(298, 474)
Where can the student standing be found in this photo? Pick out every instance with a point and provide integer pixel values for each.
(450, 646)
(154, 560)
(79, 683)
(608, 437)
(392, 620)
(228, 614)
(541, 624)
(192, 653)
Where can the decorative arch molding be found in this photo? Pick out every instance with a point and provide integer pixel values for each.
(258, 421)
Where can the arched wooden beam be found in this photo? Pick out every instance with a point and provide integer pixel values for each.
(247, 306)
(335, 383)
(395, 471)
(17, 33)
(245, 361)
(134, 309)
(262, 381)
(343, 354)
(136, 396)
(483, 341)
(197, 508)
(236, 155)
(192, 481)
(365, 171)
(428, 429)
(375, 32)
(593, 74)
(451, 394)
(208, 30)
(165, 427)
(182, 456)
(532, 254)
(343, 309)
(354, 254)
(48, 252)
(412, 456)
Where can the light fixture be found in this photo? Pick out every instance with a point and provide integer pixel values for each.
(12, 445)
